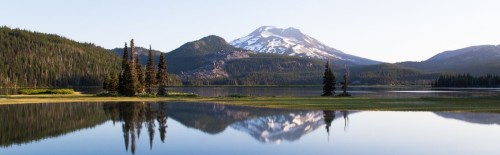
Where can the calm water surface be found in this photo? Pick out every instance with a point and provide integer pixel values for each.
(206, 128)
(360, 91)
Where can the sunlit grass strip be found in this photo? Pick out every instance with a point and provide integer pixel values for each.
(45, 91)
(478, 104)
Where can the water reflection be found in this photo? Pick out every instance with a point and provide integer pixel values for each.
(362, 91)
(130, 120)
(276, 128)
(329, 116)
(470, 117)
(133, 116)
(25, 123)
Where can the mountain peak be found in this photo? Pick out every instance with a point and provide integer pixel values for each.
(291, 41)
(267, 31)
(264, 28)
(211, 39)
(211, 43)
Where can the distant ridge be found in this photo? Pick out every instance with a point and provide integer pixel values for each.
(477, 60)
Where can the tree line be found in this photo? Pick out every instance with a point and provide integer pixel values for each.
(467, 80)
(134, 79)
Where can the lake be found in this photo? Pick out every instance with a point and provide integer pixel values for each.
(208, 128)
(359, 91)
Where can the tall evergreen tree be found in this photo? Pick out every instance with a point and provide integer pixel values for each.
(132, 52)
(129, 86)
(326, 87)
(161, 76)
(125, 58)
(140, 76)
(133, 70)
(125, 63)
(328, 81)
(150, 72)
(333, 79)
(345, 83)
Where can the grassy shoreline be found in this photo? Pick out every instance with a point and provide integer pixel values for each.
(474, 104)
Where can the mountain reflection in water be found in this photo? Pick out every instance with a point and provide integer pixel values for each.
(42, 121)
(470, 117)
(265, 125)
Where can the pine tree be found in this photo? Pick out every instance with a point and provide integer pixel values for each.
(332, 80)
(125, 63)
(328, 81)
(161, 76)
(326, 90)
(133, 70)
(128, 81)
(150, 72)
(125, 57)
(345, 83)
(129, 85)
(140, 76)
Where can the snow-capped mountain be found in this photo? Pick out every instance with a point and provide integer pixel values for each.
(293, 42)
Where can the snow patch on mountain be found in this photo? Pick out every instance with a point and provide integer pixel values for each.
(293, 42)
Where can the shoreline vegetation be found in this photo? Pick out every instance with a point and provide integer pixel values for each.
(45, 91)
(465, 104)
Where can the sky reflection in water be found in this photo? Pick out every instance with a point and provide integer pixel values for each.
(202, 128)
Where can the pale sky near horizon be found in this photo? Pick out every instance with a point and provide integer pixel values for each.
(383, 30)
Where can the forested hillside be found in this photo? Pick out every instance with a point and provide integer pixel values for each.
(282, 70)
(390, 74)
(273, 69)
(32, 59)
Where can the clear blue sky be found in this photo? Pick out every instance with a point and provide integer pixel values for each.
(384, 30)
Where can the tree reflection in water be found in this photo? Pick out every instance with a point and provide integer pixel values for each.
(346, 119)
(133, 116)
(40, 121)
(329, 116)
(25, 123)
